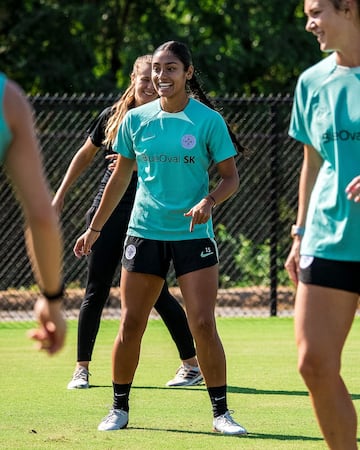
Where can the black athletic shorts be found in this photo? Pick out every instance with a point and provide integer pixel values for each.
(344, 275)
(154, 257)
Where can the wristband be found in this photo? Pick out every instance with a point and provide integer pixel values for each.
(297, 231)
(54, 297)
(95, 231)
(213, 200)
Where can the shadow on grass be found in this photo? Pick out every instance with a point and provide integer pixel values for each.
(97, 386)
(278, 437)
(283, 437)
(231, 389)
(254, 391)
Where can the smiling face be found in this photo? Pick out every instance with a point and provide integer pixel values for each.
(326, 22)
(169, 75)
(144, 88)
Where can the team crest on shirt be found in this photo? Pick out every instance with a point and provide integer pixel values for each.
(188, 141)
(130, 251)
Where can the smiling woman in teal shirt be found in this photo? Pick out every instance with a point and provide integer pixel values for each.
(173, 140)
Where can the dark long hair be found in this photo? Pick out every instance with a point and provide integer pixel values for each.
(181, 51)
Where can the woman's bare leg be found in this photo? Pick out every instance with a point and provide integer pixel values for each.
(323, 319)
(139, 293)
(199, 290)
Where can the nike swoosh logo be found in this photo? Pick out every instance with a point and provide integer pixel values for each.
(204, 255)
(218, 398)
(146, 138)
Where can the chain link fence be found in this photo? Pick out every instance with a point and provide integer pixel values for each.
(252, 227)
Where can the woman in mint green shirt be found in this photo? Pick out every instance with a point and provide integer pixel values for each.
(173, 140)
(324, 261)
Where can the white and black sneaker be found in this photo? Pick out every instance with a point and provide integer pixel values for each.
(186, 375)
(80, 379)
(225, 424)
(117, 419)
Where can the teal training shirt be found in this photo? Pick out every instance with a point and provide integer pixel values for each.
(5, 133)
(173, 153)
(326, 115)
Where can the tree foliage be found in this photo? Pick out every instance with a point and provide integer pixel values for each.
(238, 47)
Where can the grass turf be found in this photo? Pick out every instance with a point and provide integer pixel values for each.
(265, 391)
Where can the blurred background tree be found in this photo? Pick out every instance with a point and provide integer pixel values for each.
(239, 47)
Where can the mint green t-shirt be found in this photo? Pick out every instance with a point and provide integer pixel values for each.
(173, 154)
(5, 133)
(326, 115)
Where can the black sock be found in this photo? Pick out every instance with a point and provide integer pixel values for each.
(218, 400)
(121, 396)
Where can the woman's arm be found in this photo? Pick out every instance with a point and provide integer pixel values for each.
(310, 168)
(43, 236)
(229, 181)
(24, 166)
(228, 184)
(114, 191)
(81, 161)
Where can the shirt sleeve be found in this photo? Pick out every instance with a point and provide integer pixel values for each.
(96, 130)
(123, 143)
(299, 128)
(219, 142)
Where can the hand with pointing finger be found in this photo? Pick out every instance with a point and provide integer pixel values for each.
(200, 213)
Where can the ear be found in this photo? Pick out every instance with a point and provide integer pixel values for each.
(190, 72)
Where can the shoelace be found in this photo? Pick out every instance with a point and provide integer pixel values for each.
(227, 419)
(112, 414)
(187, 371)
(81, 374)
(109, 417)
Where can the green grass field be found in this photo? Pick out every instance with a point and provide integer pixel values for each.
(265, 392)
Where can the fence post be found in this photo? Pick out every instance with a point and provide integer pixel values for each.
(274, 186)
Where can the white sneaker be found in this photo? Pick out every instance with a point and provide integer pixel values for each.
(186, 375)
(226, 424)
(115, 420)
(80, 379)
